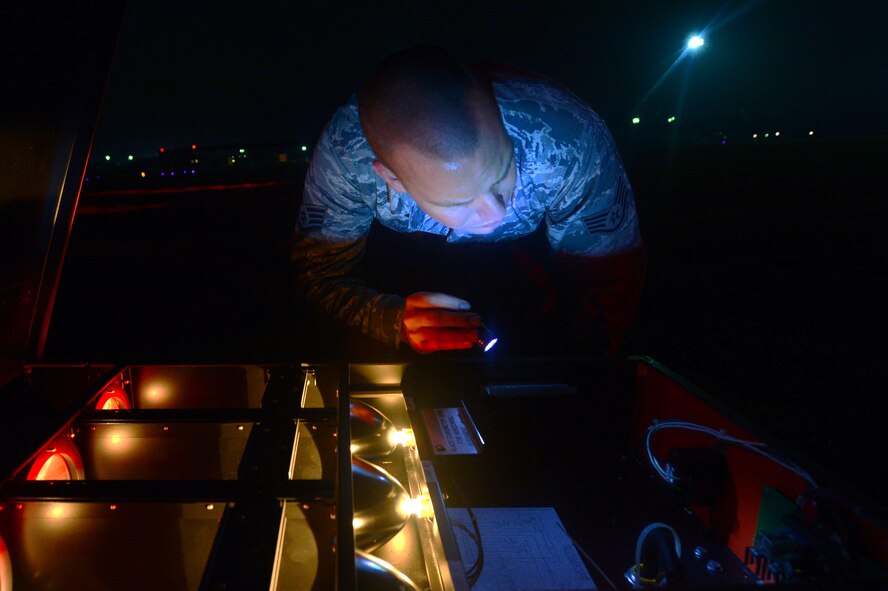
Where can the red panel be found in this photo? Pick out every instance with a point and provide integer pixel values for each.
(733, 521)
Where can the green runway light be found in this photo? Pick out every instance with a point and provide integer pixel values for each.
(130, 157)
(107, 157)
(241, 150)
(671, 119)
(636, 120)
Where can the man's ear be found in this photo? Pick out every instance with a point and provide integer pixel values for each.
(386, 174)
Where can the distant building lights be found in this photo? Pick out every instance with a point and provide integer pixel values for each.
(242, 151)
(671, 119)
(636, 120)
(755, 136)
(776, 134)
(304, 148)
(143, 174)
(810, 133)
(193, 146)
(107, 157)
(695, 42)
(766, 135)
(130, 157)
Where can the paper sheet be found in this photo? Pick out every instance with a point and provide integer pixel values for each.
(525, 549)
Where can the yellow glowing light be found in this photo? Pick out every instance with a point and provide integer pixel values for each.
(57, 511)
(210, 507)
(358, 523)
(143, 174)
(420, 506)
(403, 437)
(112, 507)
(240, 427)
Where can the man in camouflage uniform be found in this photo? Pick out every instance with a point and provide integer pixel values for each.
(428, 145)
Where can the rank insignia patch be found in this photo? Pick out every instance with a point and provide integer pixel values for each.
(311, 217)
(609, 220)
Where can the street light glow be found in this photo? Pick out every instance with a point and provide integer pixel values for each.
(695, 42)
(636, 120)
(107, 157)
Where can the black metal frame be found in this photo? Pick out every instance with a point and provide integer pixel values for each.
(246, 542)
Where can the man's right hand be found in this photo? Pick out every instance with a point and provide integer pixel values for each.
(438, 322)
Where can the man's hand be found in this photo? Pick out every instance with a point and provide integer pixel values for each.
(437, 322)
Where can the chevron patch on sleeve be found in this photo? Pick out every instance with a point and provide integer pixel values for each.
(610, 220)
(311, 218)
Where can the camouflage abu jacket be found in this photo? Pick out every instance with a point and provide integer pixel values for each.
(570, 177)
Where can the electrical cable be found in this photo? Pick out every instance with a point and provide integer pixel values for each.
(473, 573)
(753, 446)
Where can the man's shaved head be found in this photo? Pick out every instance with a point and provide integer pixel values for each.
(425, 99)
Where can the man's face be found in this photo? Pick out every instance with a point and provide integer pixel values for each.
(469, 194)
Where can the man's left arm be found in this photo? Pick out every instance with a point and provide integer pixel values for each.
(596, 241)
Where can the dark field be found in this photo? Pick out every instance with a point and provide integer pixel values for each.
(766, 285)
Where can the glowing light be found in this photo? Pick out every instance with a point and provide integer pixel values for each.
(112, 507)
(162, 150)
(130, 157)
(755, 136)
(192, 171)
(490, 344)
(810, 133)
(358, 523)
(193, 146)
(57, 511)
(766, 135)
(242, 151)
(163, 174)
(671, 119)
(403, 437)
(240, 427)
(420, 506)
(304, 148)
(143, 174)
(636, 120)
(695, 42)
(172, 173)
(107, 157)
(210, 507)
(776, 134)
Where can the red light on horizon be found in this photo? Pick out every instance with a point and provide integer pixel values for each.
(193, 146)
(161, 150)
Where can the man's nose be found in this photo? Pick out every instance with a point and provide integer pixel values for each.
(490, 207)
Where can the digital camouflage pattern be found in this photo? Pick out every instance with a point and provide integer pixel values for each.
(569, 176)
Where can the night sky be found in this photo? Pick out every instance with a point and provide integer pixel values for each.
(221, 73)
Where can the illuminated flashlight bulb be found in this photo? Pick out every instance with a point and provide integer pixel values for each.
(486, 339)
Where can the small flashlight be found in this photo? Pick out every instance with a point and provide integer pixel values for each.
(486, 339)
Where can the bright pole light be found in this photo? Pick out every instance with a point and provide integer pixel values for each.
(130, 157)
(636, 120)
(107, 157)
(304, 148)
(695, 42)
